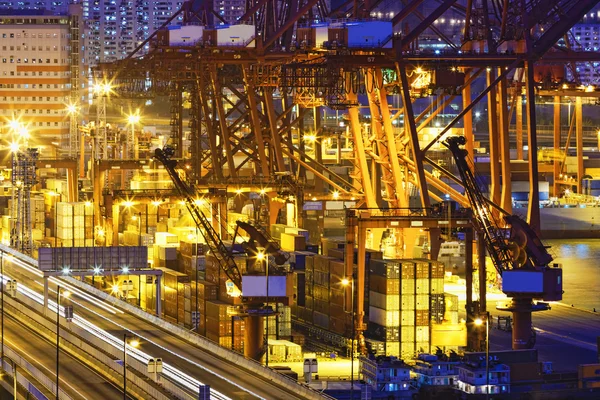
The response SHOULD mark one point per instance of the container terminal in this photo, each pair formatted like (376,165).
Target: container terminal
(316,201)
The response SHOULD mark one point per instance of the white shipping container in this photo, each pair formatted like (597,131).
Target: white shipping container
(407,317)
(422,302)
(165,238)
(423,286)
(236,35)
(408,302)
(407,334)
(408,286)
(383,301)
(185,35)
(384,317)
(422,333)
(321,34)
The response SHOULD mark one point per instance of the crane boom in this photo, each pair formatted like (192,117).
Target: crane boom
(216,246)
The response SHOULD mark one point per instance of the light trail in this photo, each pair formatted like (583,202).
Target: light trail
(179,377)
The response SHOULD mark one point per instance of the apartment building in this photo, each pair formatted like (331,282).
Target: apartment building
(36,78)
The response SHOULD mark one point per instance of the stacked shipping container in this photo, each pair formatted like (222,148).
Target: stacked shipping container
(401,296)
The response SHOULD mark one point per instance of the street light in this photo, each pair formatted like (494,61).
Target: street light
(479,322)
(65,294)
(261,257)
(345,283)
(133,343)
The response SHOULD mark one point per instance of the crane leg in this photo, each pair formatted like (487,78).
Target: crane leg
(254,346)
(521,329)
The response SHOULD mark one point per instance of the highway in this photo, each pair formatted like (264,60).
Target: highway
(76,379)
(223,376)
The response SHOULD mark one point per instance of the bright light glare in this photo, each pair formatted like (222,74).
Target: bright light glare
(71,109)
(115,288)
(128,203)
(336,195)
(345,282)
(88,203)
(14,147)
(125,269)
(66,271)
(97,270)
(66,294)
(310,138)
(134,343)
(133,119)
(260,256)
(478,322)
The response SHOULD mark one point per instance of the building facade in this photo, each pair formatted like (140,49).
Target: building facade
(36,75)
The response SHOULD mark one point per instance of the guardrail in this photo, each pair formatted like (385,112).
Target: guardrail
(197,340)
(35,373)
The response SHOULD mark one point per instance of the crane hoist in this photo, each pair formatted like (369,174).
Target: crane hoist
(262,282)
(518,254)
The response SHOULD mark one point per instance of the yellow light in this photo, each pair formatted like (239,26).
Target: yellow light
(14,124)
(88,203)
(239,191)
(345,282)
(590,88)
(200,202)
(314,199)
(134,343)
(310,138)
(66,294)
(565,86)
(156,203)
(478,322)
(134,217)
(24,132)
(133,119)
(182,202)
(263,191)
(336,194)
(14,147)
(260,256)
(71,109)
(128,203)
(419,70)
(101,232)
(115,288)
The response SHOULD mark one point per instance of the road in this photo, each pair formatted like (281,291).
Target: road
(565,335)
(76,379)
(222,375)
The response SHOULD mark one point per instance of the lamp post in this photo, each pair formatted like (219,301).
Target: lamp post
(66,294)
(134,343)
(480,322)
(346,282)
(262,258)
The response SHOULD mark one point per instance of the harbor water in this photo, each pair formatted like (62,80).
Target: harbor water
(580,259)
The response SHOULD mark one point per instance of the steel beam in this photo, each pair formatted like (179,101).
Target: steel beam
(218,103)
(579,141)
(533,208)
(557,137)
(506,192)
(272,118)
(409,122)
(357,137)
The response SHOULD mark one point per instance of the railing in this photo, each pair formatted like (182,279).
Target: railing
(430,213)
(35,373)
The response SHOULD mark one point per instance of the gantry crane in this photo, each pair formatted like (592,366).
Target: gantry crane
(249,285)
(516,251)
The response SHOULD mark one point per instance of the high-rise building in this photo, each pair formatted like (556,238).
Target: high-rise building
(38,78)
(585,36)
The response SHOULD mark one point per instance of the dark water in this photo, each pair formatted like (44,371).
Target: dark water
(580,259)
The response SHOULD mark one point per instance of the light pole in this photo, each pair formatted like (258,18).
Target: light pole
(66,294)
(134,343)
(480,322)
(346,282)
(261,257)
(132,120)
